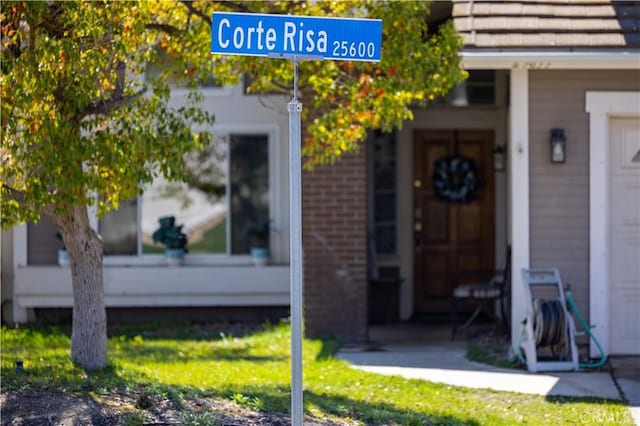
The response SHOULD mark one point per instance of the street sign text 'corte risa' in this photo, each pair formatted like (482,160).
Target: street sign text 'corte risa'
(327,38)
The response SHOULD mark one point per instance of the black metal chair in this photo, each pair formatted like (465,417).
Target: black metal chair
(483,294)
(384,289)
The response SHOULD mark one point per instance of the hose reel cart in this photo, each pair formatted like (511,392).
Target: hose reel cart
(548,332)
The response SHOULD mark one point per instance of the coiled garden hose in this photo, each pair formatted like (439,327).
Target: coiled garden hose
(549,323)
(549,327)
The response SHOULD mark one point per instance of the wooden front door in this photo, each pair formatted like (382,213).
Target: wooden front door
(450,236)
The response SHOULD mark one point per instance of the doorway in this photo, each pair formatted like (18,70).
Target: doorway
(450,236)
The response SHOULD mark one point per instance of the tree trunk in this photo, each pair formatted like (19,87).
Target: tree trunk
(89,332)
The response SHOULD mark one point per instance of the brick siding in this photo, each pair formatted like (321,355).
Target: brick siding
(334,201)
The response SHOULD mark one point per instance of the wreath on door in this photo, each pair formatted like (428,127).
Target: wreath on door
(455,178)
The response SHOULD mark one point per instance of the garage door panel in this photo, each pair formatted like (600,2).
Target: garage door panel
(630,150)
(625,331)
(626,196)
(624,236)
(624,273)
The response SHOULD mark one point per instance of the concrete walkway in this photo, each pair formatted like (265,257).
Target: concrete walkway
(447,364)
(400,352)
(626,370)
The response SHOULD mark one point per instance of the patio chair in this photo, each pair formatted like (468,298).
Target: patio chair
(483,294)
(384,289)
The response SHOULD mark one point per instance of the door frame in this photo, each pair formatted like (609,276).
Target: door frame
(496,118)
(488,174)
(601,107)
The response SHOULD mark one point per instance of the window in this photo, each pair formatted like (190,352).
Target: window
(384,192)
(478,89)
(227,194)
(119,230)
(249,188)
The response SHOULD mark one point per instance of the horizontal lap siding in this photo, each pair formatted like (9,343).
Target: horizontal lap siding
(560,192)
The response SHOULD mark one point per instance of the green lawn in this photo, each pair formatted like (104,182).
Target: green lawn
(214,240)
(185,362)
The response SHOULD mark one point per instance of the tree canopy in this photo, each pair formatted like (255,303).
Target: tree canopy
(83,123)
(79,121)
(343,100)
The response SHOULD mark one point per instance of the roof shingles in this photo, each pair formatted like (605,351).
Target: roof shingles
(589,24)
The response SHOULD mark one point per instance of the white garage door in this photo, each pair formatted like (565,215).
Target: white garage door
(624,232)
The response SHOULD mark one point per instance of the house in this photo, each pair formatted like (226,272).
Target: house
(537,68)
(534,66)
(218,271)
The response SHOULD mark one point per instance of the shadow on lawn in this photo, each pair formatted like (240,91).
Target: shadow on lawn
(158,351)
(186,330)
(277,399)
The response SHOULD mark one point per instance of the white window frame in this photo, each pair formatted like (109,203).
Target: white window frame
(273,137)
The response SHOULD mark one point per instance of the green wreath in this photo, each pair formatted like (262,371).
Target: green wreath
(455,178)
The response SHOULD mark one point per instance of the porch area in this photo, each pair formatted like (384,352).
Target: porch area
(425,351)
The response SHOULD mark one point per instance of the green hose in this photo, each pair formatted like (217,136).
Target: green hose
(583,323)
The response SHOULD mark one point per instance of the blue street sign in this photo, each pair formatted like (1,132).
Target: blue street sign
(256,34)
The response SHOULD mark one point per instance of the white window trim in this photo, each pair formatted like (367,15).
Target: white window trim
(546,60)
(273,134)
(602,106)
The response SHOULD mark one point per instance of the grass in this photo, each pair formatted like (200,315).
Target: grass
(213,240)
(179,363)
(485,355)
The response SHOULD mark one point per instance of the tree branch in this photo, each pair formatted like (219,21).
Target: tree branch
(12,193)
(104,107)
(19,196)
(51,25)
(189,5)
(169,29)
(120,74)
(237,7)
(281,86)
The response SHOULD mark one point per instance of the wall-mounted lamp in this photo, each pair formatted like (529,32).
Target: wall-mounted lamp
(558,146)
(499,158)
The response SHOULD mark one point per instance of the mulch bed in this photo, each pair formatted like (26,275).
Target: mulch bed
(45,409)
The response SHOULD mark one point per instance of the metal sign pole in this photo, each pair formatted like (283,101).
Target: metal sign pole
(295,249)
(340,39)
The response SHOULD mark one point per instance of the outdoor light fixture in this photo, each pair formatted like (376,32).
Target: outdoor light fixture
(499,158)
(557,146)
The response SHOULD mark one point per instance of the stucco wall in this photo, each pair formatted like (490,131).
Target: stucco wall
(559,193)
